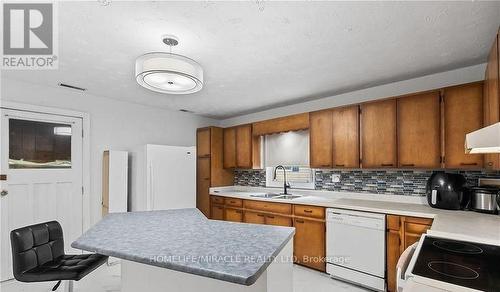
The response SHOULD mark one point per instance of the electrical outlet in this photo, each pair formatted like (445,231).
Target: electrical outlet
(335,178)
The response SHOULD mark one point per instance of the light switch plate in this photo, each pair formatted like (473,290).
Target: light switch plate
(335,178)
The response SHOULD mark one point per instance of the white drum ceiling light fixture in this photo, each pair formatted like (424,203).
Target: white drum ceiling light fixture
(167,72)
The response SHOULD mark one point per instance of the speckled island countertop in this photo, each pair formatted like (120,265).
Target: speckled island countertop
(185,240)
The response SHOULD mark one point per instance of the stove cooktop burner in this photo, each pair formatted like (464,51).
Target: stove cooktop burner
(453,270)
(458,247)
(461,263)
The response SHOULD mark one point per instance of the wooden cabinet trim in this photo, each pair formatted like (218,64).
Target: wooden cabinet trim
(281,124)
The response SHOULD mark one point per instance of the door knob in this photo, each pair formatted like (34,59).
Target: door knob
(4,193)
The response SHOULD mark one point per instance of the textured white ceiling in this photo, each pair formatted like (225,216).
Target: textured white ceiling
(262,54)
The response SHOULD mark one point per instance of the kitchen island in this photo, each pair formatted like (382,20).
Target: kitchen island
(181,250)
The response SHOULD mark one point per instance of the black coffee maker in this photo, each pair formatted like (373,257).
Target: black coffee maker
(447,191)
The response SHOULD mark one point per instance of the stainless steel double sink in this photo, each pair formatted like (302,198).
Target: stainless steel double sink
(275,196)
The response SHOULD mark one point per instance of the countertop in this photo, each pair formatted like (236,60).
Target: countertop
(185,240)
(460,225)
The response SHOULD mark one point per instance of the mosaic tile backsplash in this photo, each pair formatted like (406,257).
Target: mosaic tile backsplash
(398,182)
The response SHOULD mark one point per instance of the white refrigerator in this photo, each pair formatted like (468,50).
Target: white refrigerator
(165,178)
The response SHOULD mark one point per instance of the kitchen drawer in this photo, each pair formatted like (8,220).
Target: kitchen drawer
(233,202)
(233,215)
(416,228)
(393,222)
(254,217)
(278,220)
(309,211)
(268,207)
(217,200)
(417,220)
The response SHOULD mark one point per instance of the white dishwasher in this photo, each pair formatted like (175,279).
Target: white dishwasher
(355,247)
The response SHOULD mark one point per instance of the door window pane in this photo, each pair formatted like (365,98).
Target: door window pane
(34,144)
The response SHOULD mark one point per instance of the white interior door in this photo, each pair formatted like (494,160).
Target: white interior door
(41,156)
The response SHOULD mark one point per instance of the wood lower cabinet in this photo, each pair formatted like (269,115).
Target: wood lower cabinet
(217,212)
(309,223)
(378,134)
(203,185)
(277,220)
(463,113)
(309,245)
(419,131)
(402,232)
(254,217)
(235,215)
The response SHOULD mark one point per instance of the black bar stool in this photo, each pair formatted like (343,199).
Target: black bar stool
(38,256)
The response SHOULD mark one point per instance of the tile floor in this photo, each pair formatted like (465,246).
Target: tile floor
(107,279)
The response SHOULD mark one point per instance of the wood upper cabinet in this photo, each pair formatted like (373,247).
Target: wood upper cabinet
(346,137)
(419,139)
(244,146)
(229,147)
(491,98)
(241,148)
(378,134)
(203,142)
(309,243)
(463,113)
(401,233)
(321,139)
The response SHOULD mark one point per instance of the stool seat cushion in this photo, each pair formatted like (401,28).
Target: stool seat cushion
(38,255)
(67,267)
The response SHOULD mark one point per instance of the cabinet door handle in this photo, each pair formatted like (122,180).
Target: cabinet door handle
(260,215)
(386,164)
(340,165)
(270,217)
(299,221)
(308,211)
(468,164)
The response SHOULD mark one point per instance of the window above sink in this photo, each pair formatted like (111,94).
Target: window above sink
(290,149)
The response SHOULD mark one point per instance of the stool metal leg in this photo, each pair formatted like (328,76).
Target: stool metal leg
(68,286)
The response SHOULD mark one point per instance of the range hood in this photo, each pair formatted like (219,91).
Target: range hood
(484,140)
